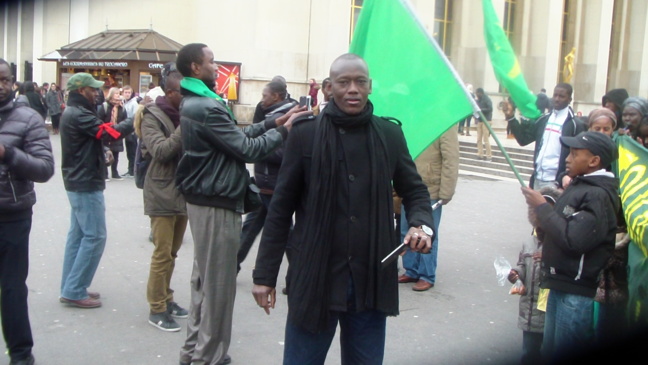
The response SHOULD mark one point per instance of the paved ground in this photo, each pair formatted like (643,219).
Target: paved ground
(465,319)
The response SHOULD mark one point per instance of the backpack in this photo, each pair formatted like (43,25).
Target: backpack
(141,165)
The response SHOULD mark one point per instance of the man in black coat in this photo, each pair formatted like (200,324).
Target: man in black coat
(337,175)
(25,157)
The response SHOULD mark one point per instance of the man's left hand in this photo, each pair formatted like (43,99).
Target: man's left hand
(418,241)
(533,198)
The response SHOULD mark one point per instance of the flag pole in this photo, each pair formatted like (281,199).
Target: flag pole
(499,145)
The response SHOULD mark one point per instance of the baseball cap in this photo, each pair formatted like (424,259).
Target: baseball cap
(597,143)
(82,79)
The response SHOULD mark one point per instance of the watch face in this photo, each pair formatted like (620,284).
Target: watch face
(427,230)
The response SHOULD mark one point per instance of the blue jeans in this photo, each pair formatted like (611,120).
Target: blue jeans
(417,265)
(362,338)
(85,243)
(568,324)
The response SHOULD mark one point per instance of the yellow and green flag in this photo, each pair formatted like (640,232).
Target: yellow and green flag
(412,79)
(633,179)
(505,64)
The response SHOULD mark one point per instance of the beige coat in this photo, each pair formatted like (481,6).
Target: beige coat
(438,165)
(163,145)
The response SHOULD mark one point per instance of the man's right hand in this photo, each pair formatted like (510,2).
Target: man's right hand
(294,116)
(265,297)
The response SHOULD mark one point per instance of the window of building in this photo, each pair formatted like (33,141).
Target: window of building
(615,43)
(509,18)
(567,36)
(442,24)
(356,6)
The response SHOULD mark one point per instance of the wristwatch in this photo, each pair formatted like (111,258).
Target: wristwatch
(427,230)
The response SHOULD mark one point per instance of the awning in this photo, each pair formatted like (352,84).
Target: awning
(129,44)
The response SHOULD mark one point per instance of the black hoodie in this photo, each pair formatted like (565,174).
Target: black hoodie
(579,233)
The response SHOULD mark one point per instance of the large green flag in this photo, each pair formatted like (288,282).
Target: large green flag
(505,64)
(412,79)
(633,179)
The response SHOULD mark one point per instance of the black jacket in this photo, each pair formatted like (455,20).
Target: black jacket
(529,131)
(486,106)
(28,158)
(212,169)
(350,242)
(266,171)
(580,232)
(83,163)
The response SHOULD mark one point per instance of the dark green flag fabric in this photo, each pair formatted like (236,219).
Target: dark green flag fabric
(505,64)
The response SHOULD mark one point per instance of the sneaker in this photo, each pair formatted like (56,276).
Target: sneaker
(164,322)
(226,360)
(107,179)
(117,177)
(176,311)
(26,361)
(128,174)
(82,303)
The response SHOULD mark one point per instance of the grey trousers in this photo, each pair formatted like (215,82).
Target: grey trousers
(216,234)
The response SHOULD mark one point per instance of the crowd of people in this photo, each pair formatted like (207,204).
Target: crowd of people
(334,189)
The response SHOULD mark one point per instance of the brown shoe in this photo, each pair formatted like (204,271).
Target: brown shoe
(94,294)
(83,303)
(422,285)
(406,279)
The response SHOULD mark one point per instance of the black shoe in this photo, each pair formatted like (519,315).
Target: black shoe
(176,311)
(29,360)
(226,360)
(117,177)
(164,322)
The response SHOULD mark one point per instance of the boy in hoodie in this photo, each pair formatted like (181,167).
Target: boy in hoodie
(579,239)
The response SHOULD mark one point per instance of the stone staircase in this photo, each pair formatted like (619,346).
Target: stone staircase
(498,168)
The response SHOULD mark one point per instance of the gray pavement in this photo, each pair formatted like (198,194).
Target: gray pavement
(465,319)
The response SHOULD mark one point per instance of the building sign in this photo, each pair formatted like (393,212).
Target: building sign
(228,80)
(94,64)
(156,65)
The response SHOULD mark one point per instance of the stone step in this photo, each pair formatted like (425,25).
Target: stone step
(509,150)
(497,171)
(497,153)
(497,163)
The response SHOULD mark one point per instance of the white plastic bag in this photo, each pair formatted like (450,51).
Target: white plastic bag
(502,269)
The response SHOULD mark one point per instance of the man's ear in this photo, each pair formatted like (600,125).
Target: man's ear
(595,161)
(195,69)
(370,85)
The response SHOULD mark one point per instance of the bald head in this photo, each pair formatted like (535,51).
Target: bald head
(345,61)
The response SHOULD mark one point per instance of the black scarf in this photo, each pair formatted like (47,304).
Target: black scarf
(310,281)
(169,110)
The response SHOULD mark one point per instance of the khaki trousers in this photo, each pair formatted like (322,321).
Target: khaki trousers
(216,233)
(168,232)
(483,136)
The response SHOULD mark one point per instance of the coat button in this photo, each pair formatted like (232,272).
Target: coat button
(353,219)
(352,177)
(342,131)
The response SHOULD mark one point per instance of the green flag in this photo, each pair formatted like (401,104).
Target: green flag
(505,64)
(412,79)
(633,180)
